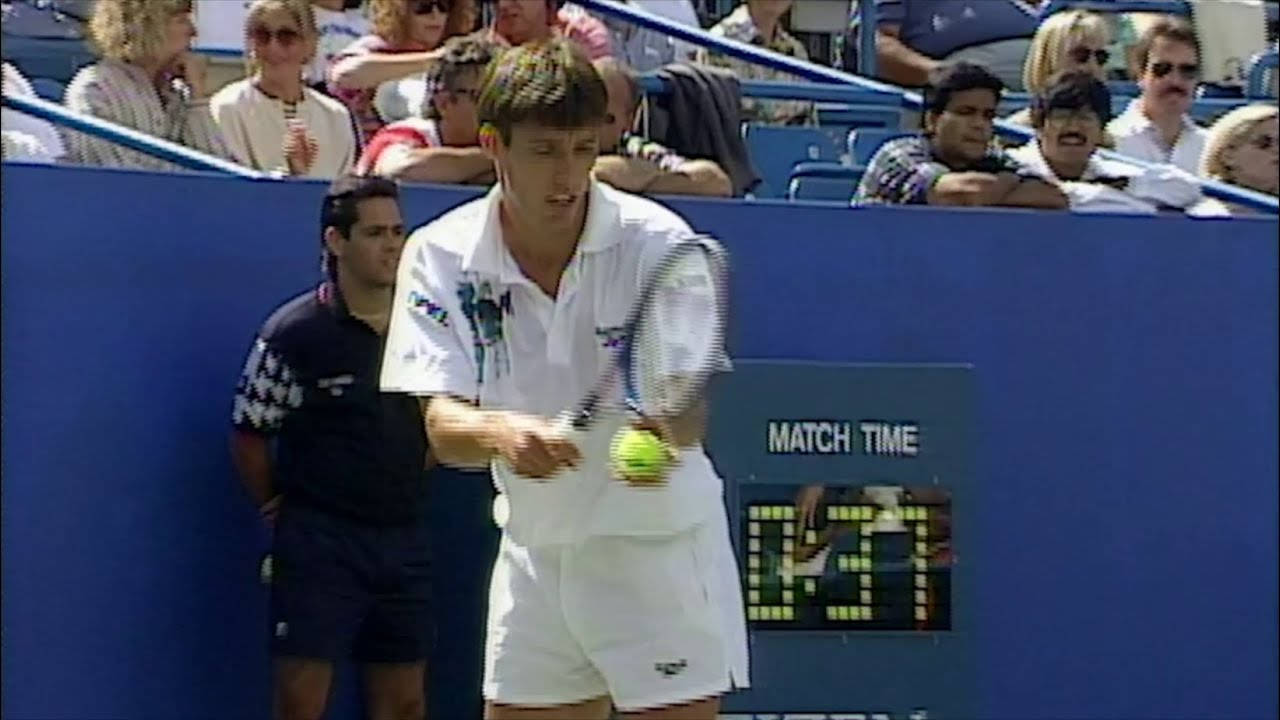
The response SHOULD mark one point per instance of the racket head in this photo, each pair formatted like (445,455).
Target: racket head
(675,335)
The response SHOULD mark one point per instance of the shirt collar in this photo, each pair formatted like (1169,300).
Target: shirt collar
(1135,119)
(488,255)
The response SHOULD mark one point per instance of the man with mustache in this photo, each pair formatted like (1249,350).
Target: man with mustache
(1068,117)
(1155,127)
(954,162)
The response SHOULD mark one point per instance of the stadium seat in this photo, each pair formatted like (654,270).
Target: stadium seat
(776,149)
(823,181)
(48,89)
(863,142)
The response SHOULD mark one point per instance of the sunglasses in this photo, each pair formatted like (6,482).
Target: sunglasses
(285,36)
(426,7)
(1081,55)
(1188,71)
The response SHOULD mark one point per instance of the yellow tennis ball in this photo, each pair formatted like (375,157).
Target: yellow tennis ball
(639,456)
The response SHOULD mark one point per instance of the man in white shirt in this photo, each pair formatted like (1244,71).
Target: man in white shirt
(507,309)
(1155,127)
(1068,117)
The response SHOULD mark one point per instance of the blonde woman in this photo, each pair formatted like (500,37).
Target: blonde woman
(1065,41)
(148,79)
(406,37)
(271,120)
(1243,149)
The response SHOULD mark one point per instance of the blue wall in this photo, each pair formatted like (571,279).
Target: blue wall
(1126,397)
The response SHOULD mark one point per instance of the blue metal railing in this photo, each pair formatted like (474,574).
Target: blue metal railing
(1258,74)
(913,100)
(128,137)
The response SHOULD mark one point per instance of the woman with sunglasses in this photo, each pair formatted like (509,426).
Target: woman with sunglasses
(1066,41)
(406,39)
(1243,149)
(271,120)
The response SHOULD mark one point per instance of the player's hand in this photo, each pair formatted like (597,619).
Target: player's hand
(269,510)
(534,448)
(807,506)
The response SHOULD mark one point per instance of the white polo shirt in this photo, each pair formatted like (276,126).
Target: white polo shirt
(1137,137)
(467,322)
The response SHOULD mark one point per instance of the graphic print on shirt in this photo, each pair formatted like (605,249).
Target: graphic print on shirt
(486,312)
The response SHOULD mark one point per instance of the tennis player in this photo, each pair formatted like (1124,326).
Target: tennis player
(506,311)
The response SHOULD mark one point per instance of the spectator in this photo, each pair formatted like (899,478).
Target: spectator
(759,22)
(443,145)
(1069,117)
(271,120)
(517,22)
(1243,148)
(337,26)
(26,138)
(1155,127)
(643,49)
(1065,41)
(913,37)
(338,471)
(405,41)
(148,80)
(954,161)
(633,163)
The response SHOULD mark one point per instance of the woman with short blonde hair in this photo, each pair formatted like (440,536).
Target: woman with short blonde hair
(148,80)
(1243,148)
(271,119)
(406,40)
(1065,41)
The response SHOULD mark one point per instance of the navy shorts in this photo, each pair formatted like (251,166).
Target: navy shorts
(342,589)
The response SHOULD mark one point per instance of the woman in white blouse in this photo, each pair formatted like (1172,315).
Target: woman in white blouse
(271,120)
(148,80)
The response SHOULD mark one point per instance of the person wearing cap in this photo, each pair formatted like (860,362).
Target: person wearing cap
(1069,117)
(440,143)
(339,470)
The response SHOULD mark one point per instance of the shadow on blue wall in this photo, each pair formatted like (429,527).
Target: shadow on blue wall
(1126,398)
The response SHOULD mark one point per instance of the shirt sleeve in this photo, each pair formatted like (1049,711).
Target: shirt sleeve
(267,392)
(900,173)
(429,347)
(889,12)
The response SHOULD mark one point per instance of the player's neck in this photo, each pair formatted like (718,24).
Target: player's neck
(542,251)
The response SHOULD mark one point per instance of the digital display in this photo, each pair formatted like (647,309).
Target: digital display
(847,558)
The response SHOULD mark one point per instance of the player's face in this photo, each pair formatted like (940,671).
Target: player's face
(371,253)
(1070,136)
(962,132)
(545,172)
(520,21)
(1169,80)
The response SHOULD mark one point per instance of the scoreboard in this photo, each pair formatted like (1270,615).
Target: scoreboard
(849,491)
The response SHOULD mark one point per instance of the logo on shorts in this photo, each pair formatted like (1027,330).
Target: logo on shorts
(671,669)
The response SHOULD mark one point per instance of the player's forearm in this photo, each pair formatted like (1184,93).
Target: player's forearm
(251,455)
(440,165)
(690,426)
(362,72)
(460,434)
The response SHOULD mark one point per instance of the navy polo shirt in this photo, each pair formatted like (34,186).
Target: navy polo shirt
(342,446)
(937,28)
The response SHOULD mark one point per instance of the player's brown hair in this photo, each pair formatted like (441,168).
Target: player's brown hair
(550,83)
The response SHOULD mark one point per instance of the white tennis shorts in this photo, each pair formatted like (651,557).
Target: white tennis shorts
(650,621)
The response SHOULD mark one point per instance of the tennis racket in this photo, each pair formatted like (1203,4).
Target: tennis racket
(673,339)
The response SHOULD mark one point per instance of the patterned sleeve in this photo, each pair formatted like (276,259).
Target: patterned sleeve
(267,391)
(101,92)
(199,129)
(900,173)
